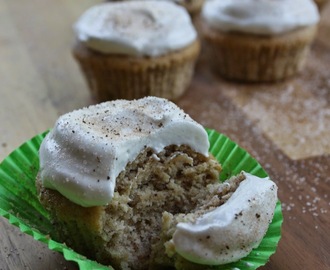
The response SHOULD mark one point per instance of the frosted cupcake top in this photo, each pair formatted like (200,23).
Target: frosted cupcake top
(142,28)
(265,17)
(84,153)
(232,230)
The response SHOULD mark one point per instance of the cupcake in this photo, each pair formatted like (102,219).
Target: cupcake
(131,184)
(258,40)
(135,49)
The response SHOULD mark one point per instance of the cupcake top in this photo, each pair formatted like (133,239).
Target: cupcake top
(232,230)
(84,153)
(141,28)
(264,17)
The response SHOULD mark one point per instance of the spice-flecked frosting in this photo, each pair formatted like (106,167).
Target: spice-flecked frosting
(86,150)
(264,17)
(229,232)
(140,28)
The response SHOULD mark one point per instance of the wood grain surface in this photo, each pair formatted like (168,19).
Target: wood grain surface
(285,126)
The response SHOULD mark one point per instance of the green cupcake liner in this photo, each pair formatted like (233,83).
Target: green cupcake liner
(20,205)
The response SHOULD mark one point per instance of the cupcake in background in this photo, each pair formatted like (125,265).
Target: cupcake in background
(258,40)
(134,49)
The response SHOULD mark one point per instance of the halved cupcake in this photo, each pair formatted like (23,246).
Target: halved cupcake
(131,184)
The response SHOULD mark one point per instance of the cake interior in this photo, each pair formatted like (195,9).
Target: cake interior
(152,194)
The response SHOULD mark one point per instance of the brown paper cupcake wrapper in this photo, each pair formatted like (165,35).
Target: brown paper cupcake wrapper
(127,77)
(256,58)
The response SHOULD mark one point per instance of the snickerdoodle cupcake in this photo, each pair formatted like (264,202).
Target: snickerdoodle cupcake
(131,184)
(259,40)
(135,49)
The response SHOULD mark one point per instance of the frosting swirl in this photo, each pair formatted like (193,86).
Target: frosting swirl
(87,149)
(142,28)
(264,17)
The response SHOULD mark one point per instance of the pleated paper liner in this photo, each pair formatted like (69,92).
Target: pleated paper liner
(19,202)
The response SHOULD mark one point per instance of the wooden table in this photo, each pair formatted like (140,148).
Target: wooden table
(285,126)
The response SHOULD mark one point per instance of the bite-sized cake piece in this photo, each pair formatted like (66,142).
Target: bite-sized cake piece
(131,184)
(259,40)
(230,231)
(224,227)
(133,49)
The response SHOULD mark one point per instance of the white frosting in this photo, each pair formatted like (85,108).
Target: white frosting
(148,28)
(87,149)
(265,17)
(232,230)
